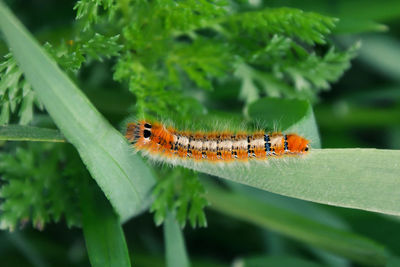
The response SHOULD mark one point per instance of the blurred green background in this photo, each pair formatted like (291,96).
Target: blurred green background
(362,109)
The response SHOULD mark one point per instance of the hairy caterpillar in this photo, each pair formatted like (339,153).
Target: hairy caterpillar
(155,139)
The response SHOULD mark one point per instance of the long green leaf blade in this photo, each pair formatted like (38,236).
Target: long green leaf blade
(123,176)
(105,240)
(339,241)
(356,178)
(29,133)
(174,243)
(365,179)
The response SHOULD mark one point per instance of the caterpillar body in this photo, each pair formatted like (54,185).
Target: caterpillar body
(157,140)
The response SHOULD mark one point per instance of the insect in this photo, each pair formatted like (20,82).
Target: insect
(157,140)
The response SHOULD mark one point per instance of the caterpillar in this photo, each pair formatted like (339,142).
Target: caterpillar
(158,140)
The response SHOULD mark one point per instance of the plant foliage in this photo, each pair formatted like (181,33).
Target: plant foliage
(15,93)
(40,185)
(182,191)
(166,52)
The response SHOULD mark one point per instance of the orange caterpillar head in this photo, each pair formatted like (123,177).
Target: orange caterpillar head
(297,144)
(137,131)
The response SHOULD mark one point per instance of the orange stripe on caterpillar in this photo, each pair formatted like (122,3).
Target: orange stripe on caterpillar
(156,139)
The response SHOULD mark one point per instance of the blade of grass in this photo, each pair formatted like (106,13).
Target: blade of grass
(339,177)
(174,243)
(339,241)
(104,237)
(365,179)
(122,176)
(29,133)
(306,209)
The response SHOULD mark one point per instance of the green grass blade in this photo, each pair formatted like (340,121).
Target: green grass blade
(356,178)
(365,179)
(310,210)
(341,242)
(174,243)
(104,237)
(306,209)
(29,133)
(122,176)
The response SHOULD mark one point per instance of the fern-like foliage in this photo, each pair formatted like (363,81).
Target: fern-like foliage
(72,54)
(285,69)
(308,27)
(181,191)
(88,11)
(16,95)
(39,184)
(175,56)
(161,58)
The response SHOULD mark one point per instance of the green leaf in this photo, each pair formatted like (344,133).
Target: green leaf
(289,70)
(101,46)
(87,11)
(312,211)
(39,183)
(122,176)
(339,241)
(307,26)
(181,193)
(174,243)
(15,92)
(103,232)
(365,179)
(29,133)
(340,177)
